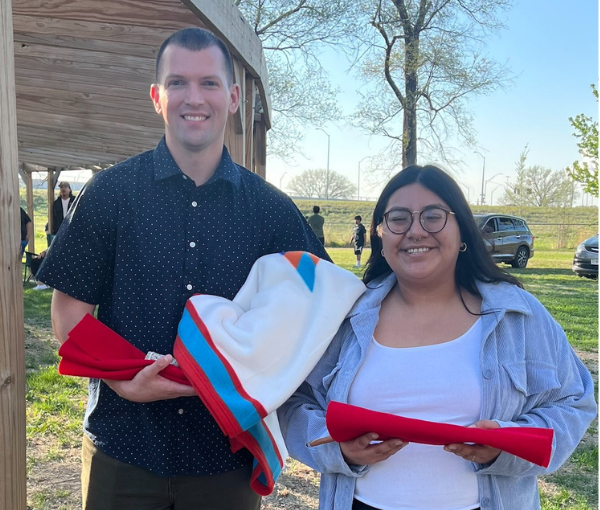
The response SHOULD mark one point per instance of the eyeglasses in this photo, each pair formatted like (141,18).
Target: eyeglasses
(432,219)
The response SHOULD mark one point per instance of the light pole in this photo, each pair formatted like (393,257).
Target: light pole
(327,176)
(489,180)
(358,187)
(492,194)
(482,178)
(281,179)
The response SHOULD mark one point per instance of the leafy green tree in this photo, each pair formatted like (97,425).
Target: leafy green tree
(313,184)
(427,57)
(586,131)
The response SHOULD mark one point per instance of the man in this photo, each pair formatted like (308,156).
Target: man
(358,237)
(61,205)
(26,230)
(316,222)
(142,238)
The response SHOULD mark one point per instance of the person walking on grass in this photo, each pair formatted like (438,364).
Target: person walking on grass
(141,238)
(316,222)
(358,238)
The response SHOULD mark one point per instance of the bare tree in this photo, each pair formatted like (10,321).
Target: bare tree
(539,187)
(428,58)
(313,184)
(293,33)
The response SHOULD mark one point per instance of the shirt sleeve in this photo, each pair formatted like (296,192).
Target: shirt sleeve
(79,260)
(302,417)
(556,392)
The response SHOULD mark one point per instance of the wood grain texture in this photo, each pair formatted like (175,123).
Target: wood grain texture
(12,340)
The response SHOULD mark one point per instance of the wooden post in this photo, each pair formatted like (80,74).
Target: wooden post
(50,194)
(13,494)
(27,169)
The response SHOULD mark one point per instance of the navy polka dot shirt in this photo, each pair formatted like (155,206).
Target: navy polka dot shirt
(140,239)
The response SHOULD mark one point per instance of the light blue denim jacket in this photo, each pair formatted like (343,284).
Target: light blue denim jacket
(530,377)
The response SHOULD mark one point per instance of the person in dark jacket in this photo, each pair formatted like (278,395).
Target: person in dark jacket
(61,205)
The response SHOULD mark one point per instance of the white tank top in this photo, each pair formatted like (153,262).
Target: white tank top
(440,383)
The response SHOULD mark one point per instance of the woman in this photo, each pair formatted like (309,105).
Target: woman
(442,334)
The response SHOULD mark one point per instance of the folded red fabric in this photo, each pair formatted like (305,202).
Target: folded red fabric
(346,422)
(94,350)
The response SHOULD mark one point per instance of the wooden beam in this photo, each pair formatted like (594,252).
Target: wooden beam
(12,339)
(50,194)
(29,198)
(249,122)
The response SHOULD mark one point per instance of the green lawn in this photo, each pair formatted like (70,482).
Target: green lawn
(55,404)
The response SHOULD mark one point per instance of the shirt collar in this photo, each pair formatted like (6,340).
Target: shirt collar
(165,166)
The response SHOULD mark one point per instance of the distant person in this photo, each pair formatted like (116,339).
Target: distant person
(61,205)
(142,238)
(358,238)
(26,230)
(316,222)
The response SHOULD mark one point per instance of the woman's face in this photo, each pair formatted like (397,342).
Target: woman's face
(418,255)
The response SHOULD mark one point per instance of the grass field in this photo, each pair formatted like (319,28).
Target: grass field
(55,404)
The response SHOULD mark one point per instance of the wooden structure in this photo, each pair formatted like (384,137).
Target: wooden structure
(83,71)
(74,93)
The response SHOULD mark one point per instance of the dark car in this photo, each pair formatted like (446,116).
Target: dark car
(507,238)
(585,261)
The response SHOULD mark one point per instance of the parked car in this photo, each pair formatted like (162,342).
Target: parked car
(507,238)
(585,261)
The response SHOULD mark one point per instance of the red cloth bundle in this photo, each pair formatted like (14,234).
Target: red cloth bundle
(94,350)
(346,422)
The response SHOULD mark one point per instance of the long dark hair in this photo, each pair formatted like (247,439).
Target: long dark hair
(472,264)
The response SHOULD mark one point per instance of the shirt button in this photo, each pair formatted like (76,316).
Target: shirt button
(189,286)
(192,244)
(487,374)
(485,501)
(180,411)
(194,204)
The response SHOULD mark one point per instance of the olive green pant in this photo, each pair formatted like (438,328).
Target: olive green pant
(109,484)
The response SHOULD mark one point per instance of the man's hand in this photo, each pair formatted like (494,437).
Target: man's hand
(148,385)
(361,452)
(476,452)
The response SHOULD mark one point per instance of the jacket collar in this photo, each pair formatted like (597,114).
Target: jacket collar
(496,297)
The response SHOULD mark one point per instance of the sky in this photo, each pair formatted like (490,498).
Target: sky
(552,48)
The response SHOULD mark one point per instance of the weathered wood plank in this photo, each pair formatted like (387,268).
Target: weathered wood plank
(156,13)
(87,109)
(12,340)
(249,122)
(99,59)
(135,38)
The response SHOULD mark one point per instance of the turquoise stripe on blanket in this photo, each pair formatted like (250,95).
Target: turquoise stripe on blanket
(198,347)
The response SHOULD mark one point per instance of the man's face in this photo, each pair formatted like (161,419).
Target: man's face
(65,191)
(194,98)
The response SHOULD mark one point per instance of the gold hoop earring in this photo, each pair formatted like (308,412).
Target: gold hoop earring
(463,247)
(382,254)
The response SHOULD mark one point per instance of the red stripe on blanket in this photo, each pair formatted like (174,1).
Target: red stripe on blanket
(232,374)
(203,386)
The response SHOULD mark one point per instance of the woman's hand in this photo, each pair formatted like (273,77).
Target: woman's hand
(148,385)
(361,452)
(476,452)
